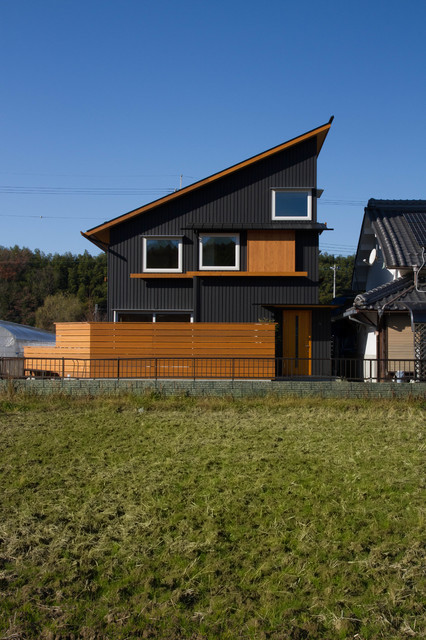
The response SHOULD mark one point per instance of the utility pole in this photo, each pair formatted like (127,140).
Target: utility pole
(334,269)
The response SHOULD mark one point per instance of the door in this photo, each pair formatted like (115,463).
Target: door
(297,342)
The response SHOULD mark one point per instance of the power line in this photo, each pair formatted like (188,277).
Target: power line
(123,191)
(12,215)
(87,191)
(343,203)
(96,175)
(333,244)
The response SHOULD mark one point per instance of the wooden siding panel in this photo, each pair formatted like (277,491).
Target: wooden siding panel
(271,251)
(217,344)
(400,338)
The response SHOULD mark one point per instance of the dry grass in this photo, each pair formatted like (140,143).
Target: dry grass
(183,518)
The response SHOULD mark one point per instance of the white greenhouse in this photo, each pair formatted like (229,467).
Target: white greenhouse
(13,338)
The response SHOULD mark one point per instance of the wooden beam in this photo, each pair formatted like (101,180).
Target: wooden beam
(216,274)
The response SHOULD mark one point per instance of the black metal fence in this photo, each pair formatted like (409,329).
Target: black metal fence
(354,369)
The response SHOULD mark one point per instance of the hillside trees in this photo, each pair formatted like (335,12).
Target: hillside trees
(28,277)
(61,307)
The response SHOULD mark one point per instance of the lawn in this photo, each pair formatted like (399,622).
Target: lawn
(198,518)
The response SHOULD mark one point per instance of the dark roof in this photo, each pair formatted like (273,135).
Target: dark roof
(400,227)
(397,295)
(100,234)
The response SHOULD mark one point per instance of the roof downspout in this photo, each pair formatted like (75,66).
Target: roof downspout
(416,271)
(401,293)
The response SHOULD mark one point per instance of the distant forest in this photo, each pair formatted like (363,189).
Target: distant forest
(39,289)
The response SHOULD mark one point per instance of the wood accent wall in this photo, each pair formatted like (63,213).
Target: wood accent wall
(271,251)
(98,341)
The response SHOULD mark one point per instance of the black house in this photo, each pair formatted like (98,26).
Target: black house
(238,246)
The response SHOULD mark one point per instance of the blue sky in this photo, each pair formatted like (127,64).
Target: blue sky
(104,104)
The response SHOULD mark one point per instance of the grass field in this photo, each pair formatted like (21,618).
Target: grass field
(184,518)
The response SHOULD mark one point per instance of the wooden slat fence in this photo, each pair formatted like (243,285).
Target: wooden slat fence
(188,347)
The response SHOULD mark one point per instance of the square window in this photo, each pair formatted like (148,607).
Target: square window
(291,205)
(162,254)
(172,317)
(132,316)
(220,251)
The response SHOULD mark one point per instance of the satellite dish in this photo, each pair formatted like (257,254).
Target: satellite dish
(372,257)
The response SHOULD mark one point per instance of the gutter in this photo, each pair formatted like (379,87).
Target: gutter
(364,320)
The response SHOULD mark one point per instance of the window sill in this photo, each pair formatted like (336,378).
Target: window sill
(216,274)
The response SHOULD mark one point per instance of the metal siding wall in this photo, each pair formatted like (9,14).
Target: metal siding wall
(242,197)
(241,301)
(126,293)
(321,333)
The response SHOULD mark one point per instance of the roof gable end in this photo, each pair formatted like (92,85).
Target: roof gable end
(99,235)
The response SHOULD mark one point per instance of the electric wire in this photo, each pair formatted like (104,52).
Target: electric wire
(122,191)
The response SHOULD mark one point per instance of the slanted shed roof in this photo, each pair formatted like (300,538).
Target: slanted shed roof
(400,227)
(100,235)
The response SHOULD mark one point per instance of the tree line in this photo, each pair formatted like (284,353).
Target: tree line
(344,268)
(39,289)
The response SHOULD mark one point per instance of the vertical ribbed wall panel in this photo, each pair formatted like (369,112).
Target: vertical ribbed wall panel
(241,197)
(321,333)
(244,299)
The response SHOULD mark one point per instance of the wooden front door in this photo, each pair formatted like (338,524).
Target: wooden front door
(297,342)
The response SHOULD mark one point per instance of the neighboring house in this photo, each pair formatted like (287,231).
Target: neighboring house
(390,276)
(238,246)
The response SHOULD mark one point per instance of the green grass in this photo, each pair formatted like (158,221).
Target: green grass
(183,518)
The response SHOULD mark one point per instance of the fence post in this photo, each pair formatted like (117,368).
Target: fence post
(63,368)
(118,368)
(155,368)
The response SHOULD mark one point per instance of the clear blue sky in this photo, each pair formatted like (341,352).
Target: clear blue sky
(105,103)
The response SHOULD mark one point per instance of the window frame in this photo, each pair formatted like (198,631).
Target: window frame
(236,267)
(152,313)
(147,269)
(308,193)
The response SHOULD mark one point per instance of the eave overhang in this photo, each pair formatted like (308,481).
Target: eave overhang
(100,235)
(294,225)
(273,305)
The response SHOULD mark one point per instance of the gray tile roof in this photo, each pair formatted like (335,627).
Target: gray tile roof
(400,226)
(397,295)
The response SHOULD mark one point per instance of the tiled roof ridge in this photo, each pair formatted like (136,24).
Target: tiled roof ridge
(396,203)
(377,293)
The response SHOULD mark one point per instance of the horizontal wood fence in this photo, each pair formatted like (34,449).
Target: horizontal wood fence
(147,349)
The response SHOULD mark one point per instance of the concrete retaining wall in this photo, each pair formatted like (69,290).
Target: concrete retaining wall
(236,388)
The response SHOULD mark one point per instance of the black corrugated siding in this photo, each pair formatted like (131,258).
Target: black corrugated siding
(244,196)
(321,335)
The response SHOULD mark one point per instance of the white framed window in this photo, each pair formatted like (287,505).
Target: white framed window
(291,204)
(153,316)
(219,251)
(162,254)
